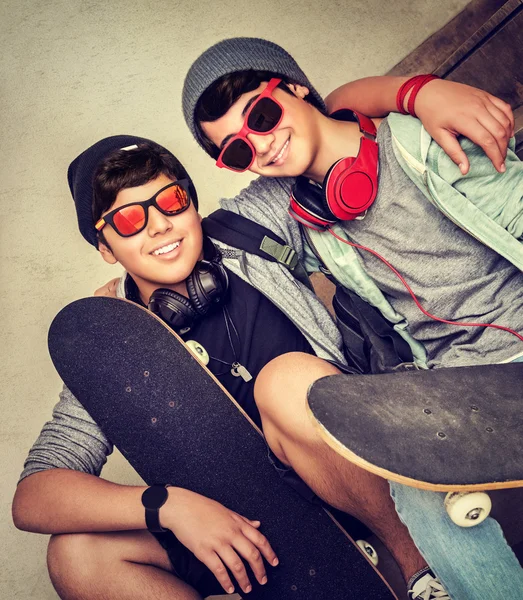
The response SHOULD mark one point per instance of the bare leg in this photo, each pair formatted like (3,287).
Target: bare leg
(124,565)
(280,392)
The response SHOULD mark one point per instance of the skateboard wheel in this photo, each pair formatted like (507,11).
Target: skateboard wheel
(198,350)
(369,551)
(468,509)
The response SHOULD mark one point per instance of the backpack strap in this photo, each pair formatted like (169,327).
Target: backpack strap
(242,233)
(370,340)
(371,343)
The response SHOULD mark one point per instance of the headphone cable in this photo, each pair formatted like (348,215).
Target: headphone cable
(458,323)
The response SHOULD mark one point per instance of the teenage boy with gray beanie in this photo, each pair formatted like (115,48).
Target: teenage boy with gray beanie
(107,553)
(220,89)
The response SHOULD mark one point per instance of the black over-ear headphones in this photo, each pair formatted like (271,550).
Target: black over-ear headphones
(207,286)
(349,188)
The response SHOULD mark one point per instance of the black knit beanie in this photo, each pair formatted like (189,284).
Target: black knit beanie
(81,173)
(237,54)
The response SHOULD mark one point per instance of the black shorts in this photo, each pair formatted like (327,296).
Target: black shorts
(193,572)
(188,568)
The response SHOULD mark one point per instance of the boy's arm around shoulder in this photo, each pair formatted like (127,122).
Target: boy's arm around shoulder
(266,201)
(446,109)
(499,196)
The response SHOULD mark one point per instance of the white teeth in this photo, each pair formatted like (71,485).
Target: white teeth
(280,153)
(165,249)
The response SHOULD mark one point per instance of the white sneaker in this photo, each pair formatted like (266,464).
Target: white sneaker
(425,586)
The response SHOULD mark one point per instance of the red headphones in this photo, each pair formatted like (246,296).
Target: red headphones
(349,188)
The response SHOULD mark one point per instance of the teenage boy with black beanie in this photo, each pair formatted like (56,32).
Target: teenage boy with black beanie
(99,546)
(219,91)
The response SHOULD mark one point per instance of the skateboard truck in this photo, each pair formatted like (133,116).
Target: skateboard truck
(406,366)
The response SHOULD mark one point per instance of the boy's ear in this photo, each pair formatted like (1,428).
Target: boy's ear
(106,253)
(298,90)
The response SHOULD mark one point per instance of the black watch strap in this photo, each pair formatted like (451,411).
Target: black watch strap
(153,498)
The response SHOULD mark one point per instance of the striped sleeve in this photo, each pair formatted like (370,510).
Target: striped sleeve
(70,440)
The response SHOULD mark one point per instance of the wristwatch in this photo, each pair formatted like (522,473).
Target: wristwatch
(153,499)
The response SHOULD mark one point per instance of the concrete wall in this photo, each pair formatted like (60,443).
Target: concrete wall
(74,71)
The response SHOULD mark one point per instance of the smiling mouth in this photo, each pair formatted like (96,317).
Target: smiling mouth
(166,249)
(280,153)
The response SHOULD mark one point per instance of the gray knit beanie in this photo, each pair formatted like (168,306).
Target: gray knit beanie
(237,54)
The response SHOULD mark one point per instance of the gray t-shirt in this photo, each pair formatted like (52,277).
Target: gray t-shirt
(454,276)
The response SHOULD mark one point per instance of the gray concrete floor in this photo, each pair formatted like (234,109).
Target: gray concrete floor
(73,71)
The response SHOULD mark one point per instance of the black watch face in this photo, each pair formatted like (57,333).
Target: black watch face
(155,496)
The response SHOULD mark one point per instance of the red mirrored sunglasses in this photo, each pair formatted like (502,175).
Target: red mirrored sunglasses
(132,218)
(263,116)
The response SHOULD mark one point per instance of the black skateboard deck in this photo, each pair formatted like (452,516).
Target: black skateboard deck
(458,429)
(175,423)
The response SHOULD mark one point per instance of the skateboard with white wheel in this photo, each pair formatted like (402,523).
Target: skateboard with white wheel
(456,430)
(175,423)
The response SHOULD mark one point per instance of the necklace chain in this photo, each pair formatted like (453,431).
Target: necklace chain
(237,369)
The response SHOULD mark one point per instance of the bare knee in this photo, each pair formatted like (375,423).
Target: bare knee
(280,392)
(288,377)
(70,548)
(71,559)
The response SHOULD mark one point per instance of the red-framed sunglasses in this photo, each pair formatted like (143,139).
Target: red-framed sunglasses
(132,218)
(263,116)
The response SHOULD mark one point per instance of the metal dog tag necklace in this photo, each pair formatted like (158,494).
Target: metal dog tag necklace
(240,371)
(237,369)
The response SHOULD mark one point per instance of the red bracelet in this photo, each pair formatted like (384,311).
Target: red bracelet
(415,84)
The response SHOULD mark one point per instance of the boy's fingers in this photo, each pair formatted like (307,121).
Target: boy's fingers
(450,145)
(253,556)
(504,122)
(494,123)
(215,564)
(506,109)
(479,132)
(235,565)
(262,543)
(249,522)
(490,138)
